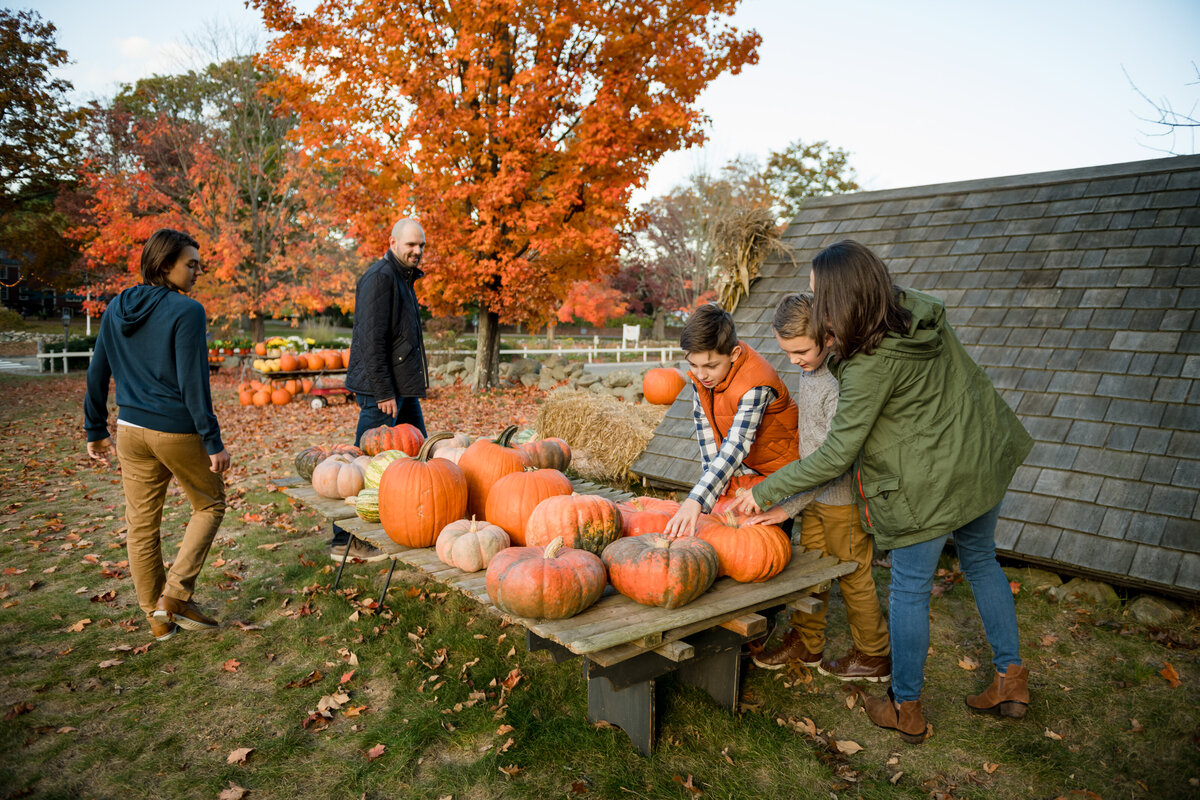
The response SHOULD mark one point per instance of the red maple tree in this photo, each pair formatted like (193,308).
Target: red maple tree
(514,130)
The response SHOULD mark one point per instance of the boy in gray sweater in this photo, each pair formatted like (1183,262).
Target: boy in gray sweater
(829,523)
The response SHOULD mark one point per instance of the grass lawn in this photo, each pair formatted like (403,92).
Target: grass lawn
(305,692)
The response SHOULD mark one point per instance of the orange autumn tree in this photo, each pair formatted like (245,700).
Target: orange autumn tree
(514,130)
(205,152)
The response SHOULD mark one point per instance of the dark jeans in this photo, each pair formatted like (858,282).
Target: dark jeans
(408,409)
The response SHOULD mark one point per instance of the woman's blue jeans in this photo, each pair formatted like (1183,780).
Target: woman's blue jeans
(913,569)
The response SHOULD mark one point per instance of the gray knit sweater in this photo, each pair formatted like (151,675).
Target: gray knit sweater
(817,399)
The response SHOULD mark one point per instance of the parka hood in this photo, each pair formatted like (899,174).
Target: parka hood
(133,307)
(924,337)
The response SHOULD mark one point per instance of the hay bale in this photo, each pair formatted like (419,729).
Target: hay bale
(606,435)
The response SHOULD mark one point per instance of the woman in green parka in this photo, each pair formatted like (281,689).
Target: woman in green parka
(932,447)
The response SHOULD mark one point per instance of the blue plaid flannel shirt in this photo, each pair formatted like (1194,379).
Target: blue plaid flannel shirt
(721,464)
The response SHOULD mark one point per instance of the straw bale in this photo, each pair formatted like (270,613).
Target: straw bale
(606,435)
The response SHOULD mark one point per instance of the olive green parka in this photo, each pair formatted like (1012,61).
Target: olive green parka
(932,444)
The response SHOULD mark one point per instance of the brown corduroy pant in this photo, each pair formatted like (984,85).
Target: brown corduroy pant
(148,460)
(836,531)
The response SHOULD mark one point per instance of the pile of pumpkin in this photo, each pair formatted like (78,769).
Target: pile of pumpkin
(257,393)
(508,508)
(313,361)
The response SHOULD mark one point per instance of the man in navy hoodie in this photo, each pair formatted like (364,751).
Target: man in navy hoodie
(153,342)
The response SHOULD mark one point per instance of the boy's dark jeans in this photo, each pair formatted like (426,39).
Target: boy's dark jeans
(408,409)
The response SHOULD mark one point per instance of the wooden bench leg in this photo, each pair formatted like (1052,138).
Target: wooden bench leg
(631,709)
(719,674)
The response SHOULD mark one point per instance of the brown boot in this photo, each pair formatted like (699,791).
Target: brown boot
(184,613)
(1008,695)
(908,719)
(790,650)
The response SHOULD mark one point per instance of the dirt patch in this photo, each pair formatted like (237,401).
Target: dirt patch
(18,348)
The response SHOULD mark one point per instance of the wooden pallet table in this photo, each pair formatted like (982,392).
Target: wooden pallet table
(626,647)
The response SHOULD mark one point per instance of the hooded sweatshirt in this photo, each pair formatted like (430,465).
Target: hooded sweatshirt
(931,443)
(153,340)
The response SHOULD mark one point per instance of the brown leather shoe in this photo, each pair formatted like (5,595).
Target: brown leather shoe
(183,612)
(162,630)
(856,666)
(1008,695)
(907,718)
(790,651)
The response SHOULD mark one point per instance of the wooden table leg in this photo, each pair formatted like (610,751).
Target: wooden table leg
(719,674)
(631,709)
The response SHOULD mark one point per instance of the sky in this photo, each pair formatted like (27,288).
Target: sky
(918,91)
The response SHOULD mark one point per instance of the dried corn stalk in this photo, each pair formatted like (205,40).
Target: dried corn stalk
(742,240)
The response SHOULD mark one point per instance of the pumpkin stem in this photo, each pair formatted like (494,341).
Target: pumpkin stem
(423,453)
(506,436)
(552,549)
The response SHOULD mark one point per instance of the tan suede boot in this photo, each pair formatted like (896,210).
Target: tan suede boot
(1008,695)
(908,720)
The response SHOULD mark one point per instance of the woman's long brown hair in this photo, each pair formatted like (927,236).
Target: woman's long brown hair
(855,300)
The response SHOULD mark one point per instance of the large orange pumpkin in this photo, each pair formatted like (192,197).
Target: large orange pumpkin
(484,462)
(260,348)
(584,521)
(661,386)
(261,398)
(403,437)
(288,363)
(549,453)
(748,553)
(513,498)
(281,396)
(419,497)
(553,582)
(333,359)
(656,571)
(245,397)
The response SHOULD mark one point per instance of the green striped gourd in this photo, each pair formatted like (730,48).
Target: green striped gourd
(378,464)
(367,505)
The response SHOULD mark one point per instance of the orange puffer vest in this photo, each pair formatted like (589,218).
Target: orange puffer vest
(776,443)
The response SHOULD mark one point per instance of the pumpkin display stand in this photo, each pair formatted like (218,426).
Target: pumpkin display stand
(626,647)
(327,384)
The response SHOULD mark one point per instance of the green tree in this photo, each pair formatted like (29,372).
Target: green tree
(37,147)
(801,171)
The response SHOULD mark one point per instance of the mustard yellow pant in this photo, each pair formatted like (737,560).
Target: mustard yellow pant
(148,460)
(836,531)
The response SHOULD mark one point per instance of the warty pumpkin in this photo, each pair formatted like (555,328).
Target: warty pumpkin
(583,521)
(514,497)
(418,497)
(656,571)
(470,544)
(553,582)
(403,437)
(548,453)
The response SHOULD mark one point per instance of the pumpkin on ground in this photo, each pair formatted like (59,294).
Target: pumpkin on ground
(748,553)
(661,386)
(337,476)
(548,453)
(418,497)
(281,396)
(656,571)
(403,437)
(514,497)
(366,505)
(553,582)
(470,544)
(583,521)
(486,462)
(377,465)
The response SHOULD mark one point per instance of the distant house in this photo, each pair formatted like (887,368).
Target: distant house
(32,299)
(1078,292)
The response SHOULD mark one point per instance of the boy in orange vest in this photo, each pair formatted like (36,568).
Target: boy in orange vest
(746,421)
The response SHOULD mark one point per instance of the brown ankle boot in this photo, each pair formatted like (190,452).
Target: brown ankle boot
(790,650)
(908,720)
(1008,695)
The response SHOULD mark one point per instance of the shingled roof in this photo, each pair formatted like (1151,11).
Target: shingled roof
(1078,292)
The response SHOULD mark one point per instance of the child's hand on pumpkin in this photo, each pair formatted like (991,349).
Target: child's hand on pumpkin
(773,517)
(745,504)
(684,521)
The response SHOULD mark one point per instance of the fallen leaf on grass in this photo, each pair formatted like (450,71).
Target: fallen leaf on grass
(579,787)
(503,729)
(234,792)
(346,676)
(1049,639)
(105,597)
(270,546)
(504,747)
(895,778)
(513,678)
(231,665)
(1049,734)
(348,657)
(1136,727)
(691,787)
(511,770)
(725,754)
(239,756)
(354,711)
(307,680)
(79,626)
(67,729)
(989,768)
(847,747)
(17,710)
(376,751)
(247,626)
(968,663)
(112,662)
(1171,675)
(1014,586)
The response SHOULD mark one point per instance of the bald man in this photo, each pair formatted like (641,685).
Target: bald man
(387,370)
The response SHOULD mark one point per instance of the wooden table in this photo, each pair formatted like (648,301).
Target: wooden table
(626,646)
